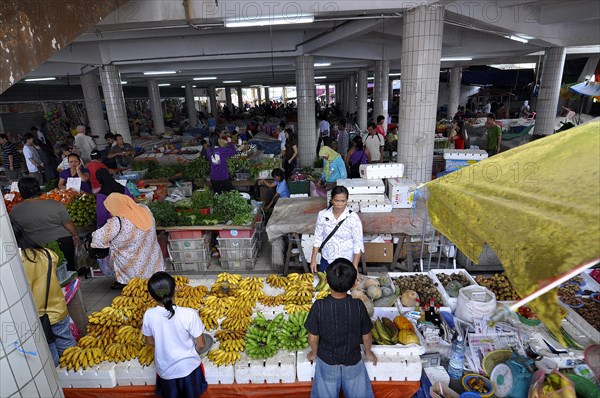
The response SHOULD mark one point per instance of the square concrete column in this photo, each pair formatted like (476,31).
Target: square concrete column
(191,105)
(307,122)
(267,95)
(362,99)
(240,99)
(158,119)
(93,107)
(110,77)
(327,94)
(352,82)
(228,99)
(421,53)
(547,102)
(454,91)
(259,95)
(381,90)
(212,95)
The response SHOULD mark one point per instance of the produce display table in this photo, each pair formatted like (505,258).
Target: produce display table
(299,216)
(382,389)
(236,183)
(218,227)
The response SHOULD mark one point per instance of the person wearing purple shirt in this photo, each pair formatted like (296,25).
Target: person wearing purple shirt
(75,170)
(219,173)
(108,185)
(356,156)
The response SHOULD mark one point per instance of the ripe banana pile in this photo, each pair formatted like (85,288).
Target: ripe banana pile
(261,337)
(241,311)
(236,324)
(272,301)
(102,331)
(180,281)
(117,352)
(188,302)
(223,358)
(110,316)
(209,318)
(89,341)
(277,281)
(306,277)
(146,356)
(219,304)
(137,287)
(232,279)
(80,358)
(293,335)
(127,334)
(224,335)
(299,294)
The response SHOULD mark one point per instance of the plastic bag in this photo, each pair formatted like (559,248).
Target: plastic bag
(82,259)
(554,385)
(316,191)
(104,264)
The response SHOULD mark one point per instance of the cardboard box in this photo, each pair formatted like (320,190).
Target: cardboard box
(401,192)
(379,252)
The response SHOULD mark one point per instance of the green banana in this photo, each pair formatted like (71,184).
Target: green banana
(322,281)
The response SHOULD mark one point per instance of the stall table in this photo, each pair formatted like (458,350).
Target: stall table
(381,389)
(299,216)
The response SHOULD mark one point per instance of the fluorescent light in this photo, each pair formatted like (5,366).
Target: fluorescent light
(530,65)
(39,79)
(370,78)
(394,74)
(456,59)
(322,64)
(231,81)
(123,82)
(164,84)
(269,21)
(320,77)
(164,72)
(205,78)
(182,86)
(517,38)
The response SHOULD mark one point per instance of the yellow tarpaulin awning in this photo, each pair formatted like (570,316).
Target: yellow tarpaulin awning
(537,206)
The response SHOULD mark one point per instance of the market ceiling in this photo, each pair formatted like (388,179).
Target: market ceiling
(190,38)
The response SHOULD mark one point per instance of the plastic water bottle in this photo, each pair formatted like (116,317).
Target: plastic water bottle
(457,359)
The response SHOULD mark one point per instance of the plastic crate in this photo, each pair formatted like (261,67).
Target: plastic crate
(190,256)
(237,242)
(238,253)
(191,234)
(299,187)
(235,233)
(189,244)
(239,260)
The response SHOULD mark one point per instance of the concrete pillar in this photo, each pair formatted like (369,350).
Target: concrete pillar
(228,99)
(391,92)
(362,99)
(2,126)
(454,91)
(381,91)
(212,95)
(110,77)
(158,119)
(421,52)
(327,94)
(336,93)
(93,107)
(352,80)
(547,103)
(587,73)
(307,126)
(240,99)
(191,105)
(267,95)
(259,95)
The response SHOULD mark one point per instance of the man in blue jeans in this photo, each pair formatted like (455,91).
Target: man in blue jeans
(336,326)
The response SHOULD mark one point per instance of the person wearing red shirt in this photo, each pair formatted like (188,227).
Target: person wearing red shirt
(93,166)
(379,128)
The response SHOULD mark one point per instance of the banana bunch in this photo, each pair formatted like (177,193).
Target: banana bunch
(236,323)
(192,292)
(293,336)
(209,318)
(232,279)
(137,288)
(306,277)
(261,344)
(129,302)
(80,358)
(108,332)
(240,311)
(385,332)
(88,341)
(117,352)
(220,357)
(224,335)
(251,295)
(110,316)
(251,283)
(299,293)
(233,345)
(294,308)
(323,293)
(128,334)
(219,304)
(277,281)
(146,355)
(322,285)
(272,301)
(189,302)
(181,280)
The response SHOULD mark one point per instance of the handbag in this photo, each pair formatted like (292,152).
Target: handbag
(98,252)
(45,319)
(355,168)
(333,231)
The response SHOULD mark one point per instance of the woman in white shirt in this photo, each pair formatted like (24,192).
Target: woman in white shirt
(347,240)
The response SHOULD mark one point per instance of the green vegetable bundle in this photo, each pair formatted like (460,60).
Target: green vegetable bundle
(164,213)
(196,170)
(56,249)
(202,199)
(230,206)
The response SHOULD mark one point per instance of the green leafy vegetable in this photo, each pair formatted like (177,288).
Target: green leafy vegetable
(197,170)
(56,249)
(164,213)
(202,199)
(230,206)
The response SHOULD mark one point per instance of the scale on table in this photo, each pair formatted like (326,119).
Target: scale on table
(512,378)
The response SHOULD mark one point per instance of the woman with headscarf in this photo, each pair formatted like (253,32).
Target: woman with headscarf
(108,185)
(131,236)
(333,165)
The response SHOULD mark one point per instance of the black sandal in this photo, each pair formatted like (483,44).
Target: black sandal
(117,286)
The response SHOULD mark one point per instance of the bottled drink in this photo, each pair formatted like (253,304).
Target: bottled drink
(426,315)
(437,320)
(431,309)
(457,358)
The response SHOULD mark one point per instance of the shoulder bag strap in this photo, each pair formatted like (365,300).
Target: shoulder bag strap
(338,225)
(48,279)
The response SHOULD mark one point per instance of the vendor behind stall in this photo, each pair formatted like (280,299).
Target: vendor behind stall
(333,165)
(280,185)
(73,172)
(217,157)
(122,152)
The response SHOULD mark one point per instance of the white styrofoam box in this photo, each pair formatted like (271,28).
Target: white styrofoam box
(218,374)
(395,367)
(385,237)
(354,206)
(465,154)
(376,207)
(132,373)
(582,324)
(359,186)
(281,368)
(376,197)
(401,192)
(381,170)
(307,247)
(305,369)
(437,374)
(299,195)
(448,301)
(590,283)
(98,376)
